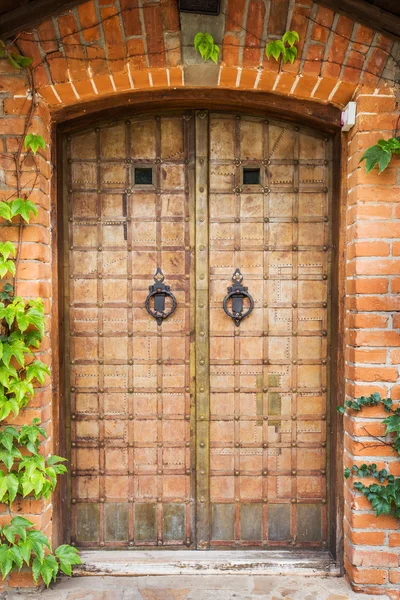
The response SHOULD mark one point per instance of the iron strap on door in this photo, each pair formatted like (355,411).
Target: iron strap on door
(202,334)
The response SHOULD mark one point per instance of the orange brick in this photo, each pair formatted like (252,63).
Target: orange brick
(88,19)
(22,579)
(368,286)
(378,230)
(363,355)
(368,249)
(372,428)
(228,76)
(230,50)
(247,79)
(394,576)
(394,540)
(382,303)
(363,321)
(374,448)
(373,374)
(377,338)
(305,86)
(254,31)
(324,89)
(367,538)
(370,521)
(374,558)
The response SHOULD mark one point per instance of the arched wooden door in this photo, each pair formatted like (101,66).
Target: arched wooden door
(197,431)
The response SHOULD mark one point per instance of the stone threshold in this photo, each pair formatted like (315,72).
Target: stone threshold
(140,563)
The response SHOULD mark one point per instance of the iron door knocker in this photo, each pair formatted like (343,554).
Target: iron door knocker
(159,291)
(238,292)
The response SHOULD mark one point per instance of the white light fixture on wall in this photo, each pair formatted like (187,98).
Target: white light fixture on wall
(348,119)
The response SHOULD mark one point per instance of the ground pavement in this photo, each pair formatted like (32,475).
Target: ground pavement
(198,587)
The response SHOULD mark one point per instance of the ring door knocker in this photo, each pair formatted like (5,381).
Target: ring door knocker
(159,291)
(238,293)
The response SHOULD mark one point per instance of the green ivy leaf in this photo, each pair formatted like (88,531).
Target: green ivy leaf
(18,61)
(12,485)
(290,37)
(214,54)
(290,54)
(34,142)
(21,522)
(16,348)
(8,456)
(7,249)
(5,211)
(68,556)
(7,292)
(7,437)
(7,375)
(49,569)
(54,460)
(26,550)
(37,370)
(36,567)
(21,388)
(204,44)
(16,555)
(33,338)
(24,208)
(6,266)
(6,560)
(380,154)
(275,48)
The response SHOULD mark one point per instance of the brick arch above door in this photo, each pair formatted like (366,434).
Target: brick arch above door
(101,49)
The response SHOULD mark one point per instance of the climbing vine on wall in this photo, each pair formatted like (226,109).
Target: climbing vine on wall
(24,471)
(206,47)
(381,154)
(384,495)
(285,48)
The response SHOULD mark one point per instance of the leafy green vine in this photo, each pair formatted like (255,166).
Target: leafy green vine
(381,154)
(24,470)
(384,495)
(206,47)
(284,49)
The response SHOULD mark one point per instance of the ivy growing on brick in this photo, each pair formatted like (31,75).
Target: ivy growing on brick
(381,154)
(384,495)
(284,49)
(24,470)
(206,47)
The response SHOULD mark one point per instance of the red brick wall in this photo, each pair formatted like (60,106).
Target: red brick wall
(97,51)
(372,545)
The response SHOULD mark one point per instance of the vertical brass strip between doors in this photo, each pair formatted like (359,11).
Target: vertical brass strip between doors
(202,334)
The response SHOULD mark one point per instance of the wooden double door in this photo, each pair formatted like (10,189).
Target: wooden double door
(199,430)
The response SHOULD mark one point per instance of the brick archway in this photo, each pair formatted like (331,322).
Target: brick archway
(79,65)
(100,49)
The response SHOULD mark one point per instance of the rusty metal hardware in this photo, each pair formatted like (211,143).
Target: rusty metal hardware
(159,291)
(237,292)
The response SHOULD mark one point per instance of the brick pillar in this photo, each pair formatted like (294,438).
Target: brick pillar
(372,545)
(34,272)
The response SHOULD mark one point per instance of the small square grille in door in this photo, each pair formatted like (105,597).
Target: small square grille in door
(251,175)
(143,176)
